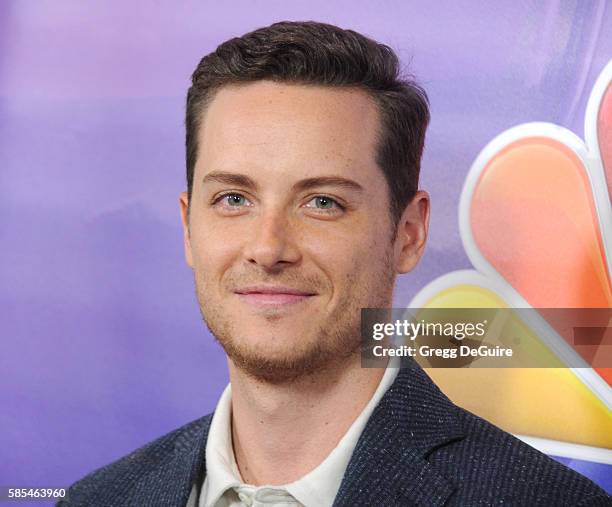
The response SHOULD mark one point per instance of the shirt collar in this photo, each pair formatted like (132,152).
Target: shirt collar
(319,487)
(221,469)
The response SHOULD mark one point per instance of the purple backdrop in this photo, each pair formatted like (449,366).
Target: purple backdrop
(103,347)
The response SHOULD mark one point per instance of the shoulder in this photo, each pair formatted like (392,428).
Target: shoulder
(120,476)
(492,465)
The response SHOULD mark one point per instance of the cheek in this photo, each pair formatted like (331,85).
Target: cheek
(348,259)
(212,248)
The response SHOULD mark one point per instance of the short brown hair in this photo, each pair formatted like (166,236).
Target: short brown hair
(322,54)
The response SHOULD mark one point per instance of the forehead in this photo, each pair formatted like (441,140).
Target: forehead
(289,128)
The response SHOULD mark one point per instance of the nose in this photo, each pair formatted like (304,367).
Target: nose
(272,241)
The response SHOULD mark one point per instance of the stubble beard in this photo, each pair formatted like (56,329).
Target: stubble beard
(331,345)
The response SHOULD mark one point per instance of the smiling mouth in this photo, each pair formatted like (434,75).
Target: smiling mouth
(273,296)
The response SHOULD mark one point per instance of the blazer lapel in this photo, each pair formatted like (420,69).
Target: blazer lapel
(389,464)
(190,451)
(170,480)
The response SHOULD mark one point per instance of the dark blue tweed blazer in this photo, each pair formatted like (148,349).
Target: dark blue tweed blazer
(418,448)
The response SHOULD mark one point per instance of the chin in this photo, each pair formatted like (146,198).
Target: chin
(273,348)
(268,361)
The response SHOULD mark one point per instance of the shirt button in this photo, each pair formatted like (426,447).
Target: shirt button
(246,499)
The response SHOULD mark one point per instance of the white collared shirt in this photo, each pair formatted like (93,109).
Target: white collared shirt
(223,486)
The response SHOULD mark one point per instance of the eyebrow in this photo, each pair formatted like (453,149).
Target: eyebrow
(332,181)
(228,178)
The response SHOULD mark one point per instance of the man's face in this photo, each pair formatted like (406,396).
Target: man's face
(289,233)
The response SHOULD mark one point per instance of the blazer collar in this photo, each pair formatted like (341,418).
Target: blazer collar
(185,467)
(389,465)
(173,468)
(190,452)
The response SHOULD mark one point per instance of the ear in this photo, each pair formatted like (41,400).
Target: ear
(412,231)
(184,204)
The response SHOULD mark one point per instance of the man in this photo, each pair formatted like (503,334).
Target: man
(302,206)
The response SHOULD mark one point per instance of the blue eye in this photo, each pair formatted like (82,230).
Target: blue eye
(324,202)
(234,199)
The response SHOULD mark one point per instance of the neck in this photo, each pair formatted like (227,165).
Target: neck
(282,432)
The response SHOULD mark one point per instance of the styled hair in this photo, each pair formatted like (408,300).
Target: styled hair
(322,54)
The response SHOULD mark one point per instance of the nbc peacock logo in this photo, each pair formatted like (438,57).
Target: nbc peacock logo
(535,220)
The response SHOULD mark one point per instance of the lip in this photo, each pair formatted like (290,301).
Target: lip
(272,295)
